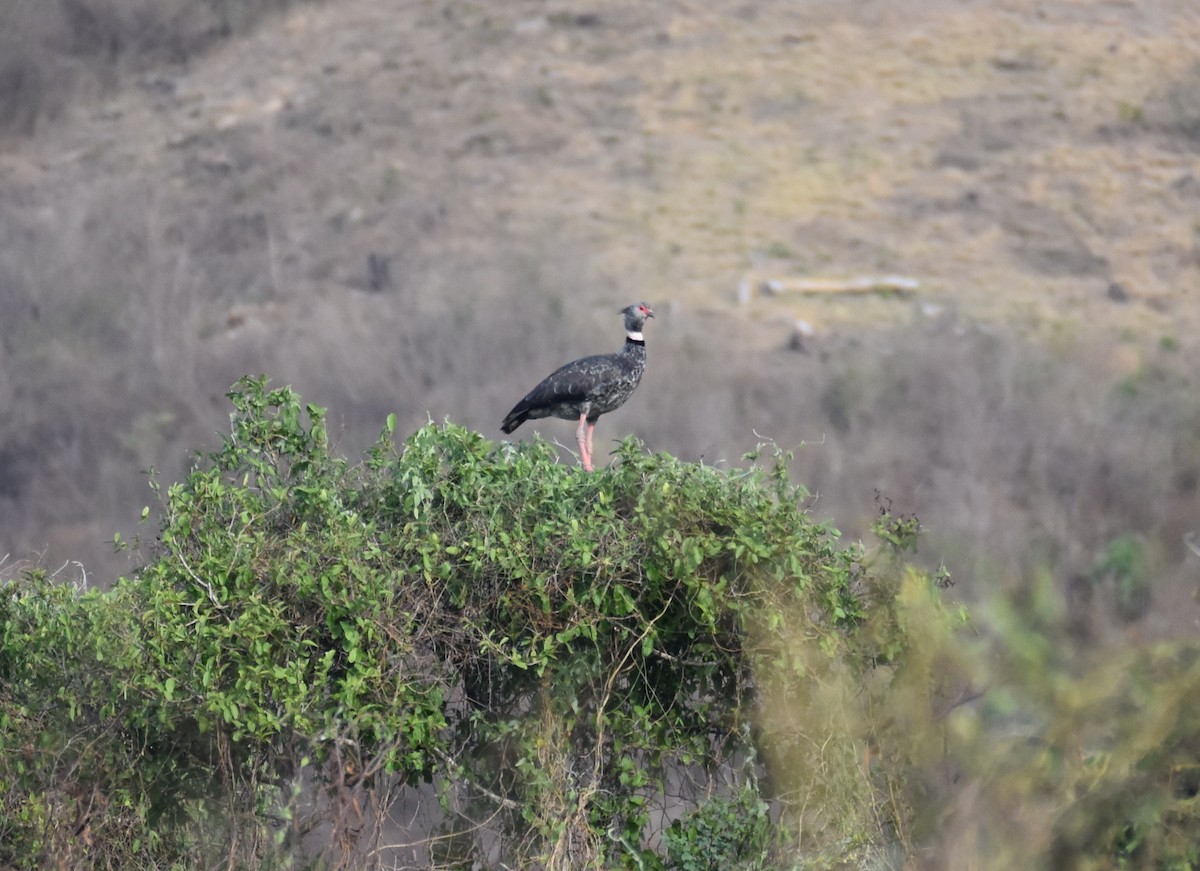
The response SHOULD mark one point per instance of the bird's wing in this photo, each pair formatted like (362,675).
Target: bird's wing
(572,382)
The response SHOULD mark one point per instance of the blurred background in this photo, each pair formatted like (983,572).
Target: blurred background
(423,207)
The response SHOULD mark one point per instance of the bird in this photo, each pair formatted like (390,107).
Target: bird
(588,387)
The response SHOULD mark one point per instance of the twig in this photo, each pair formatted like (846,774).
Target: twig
(212,596)
(82,570)
(497,798)
(662,654)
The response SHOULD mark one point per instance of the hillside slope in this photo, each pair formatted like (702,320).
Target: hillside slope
(420,207)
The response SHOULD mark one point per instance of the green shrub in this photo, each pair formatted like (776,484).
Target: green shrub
(722,833)
(308,637)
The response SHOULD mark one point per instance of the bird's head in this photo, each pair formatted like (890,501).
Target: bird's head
(635,316)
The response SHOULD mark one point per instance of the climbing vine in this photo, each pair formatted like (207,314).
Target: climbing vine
(561,658)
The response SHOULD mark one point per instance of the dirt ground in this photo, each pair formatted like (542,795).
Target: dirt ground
(422,207)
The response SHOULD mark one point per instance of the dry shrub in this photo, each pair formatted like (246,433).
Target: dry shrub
(55,51)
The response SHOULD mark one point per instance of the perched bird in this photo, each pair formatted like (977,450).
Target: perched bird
(590,386)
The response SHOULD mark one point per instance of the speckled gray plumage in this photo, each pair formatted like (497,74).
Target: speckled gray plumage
(590,386)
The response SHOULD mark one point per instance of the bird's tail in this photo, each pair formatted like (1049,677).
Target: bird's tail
(514,419)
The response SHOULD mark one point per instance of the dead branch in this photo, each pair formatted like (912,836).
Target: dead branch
(899,285)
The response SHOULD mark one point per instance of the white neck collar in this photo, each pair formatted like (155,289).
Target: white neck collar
(637,337)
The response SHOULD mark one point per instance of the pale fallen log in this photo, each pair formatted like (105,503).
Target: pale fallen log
(885,284)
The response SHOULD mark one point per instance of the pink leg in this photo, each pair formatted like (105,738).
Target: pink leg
(591,427)
(581,436)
